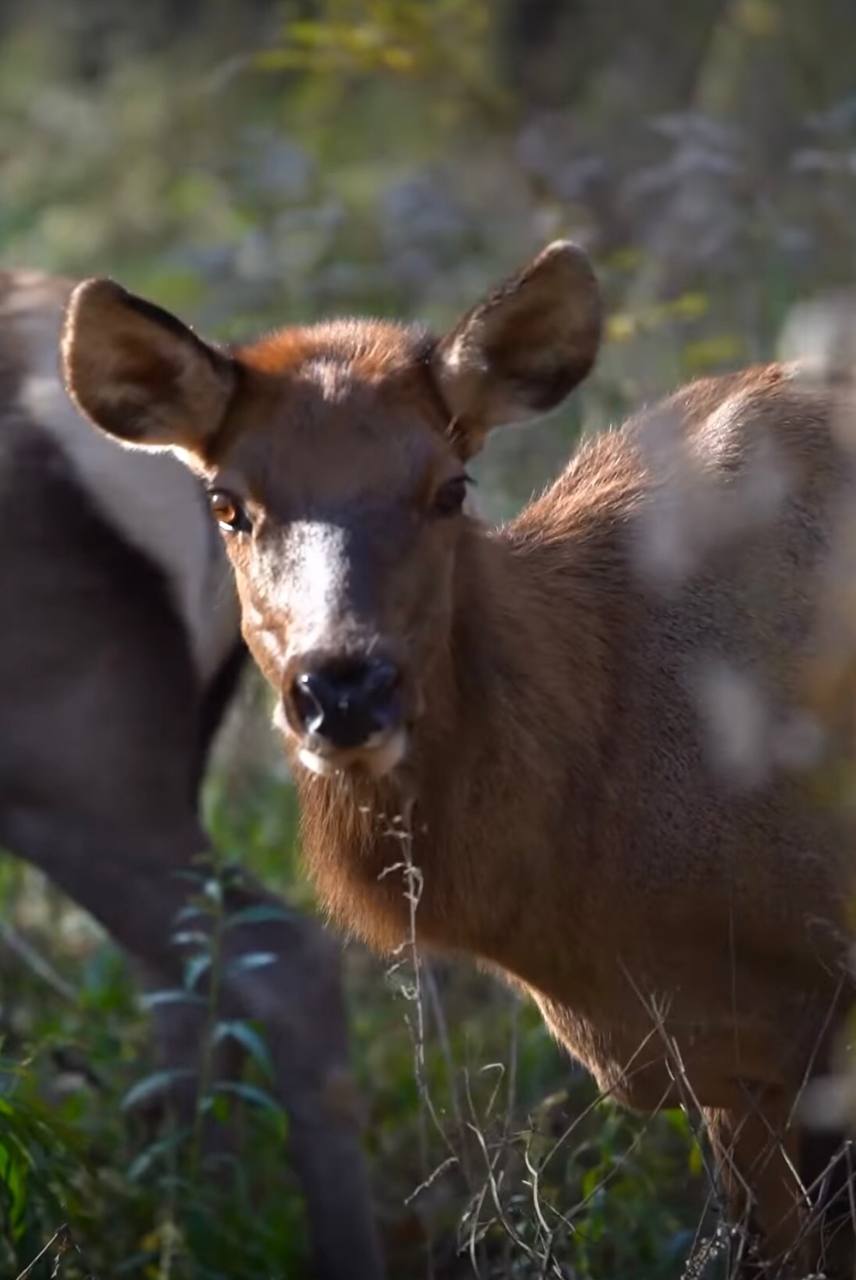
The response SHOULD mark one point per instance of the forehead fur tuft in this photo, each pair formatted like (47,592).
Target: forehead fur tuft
(367,350)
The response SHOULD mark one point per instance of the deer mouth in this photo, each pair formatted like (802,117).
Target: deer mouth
(378,755)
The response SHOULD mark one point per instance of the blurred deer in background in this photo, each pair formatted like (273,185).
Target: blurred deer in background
(601,724)
(119,652)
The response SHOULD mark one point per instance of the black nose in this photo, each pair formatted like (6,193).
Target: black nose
(345,703)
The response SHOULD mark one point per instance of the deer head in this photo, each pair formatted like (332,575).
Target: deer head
(335,458)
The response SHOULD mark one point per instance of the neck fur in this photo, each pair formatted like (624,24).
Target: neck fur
(495,799)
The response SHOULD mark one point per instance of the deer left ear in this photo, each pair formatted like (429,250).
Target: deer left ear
(524,348)
(140,374)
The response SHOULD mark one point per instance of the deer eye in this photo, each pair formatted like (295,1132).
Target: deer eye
(449,498)
(229,511)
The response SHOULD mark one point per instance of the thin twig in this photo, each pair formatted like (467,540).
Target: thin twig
(34,960)
(62,1242)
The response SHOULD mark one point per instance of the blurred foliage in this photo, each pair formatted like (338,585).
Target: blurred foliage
(254,164)
(86,1134)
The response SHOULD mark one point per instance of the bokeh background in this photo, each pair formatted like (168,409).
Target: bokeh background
(255,163)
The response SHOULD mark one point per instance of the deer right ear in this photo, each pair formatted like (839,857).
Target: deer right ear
(522,349)
(140,374)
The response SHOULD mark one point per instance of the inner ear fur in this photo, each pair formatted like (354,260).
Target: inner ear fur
(140,374)
(521,350)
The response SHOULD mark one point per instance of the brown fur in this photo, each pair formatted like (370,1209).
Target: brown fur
(675,901)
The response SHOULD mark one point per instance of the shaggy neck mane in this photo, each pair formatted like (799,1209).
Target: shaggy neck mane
(496,761)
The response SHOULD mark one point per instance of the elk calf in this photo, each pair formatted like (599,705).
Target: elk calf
(606,713)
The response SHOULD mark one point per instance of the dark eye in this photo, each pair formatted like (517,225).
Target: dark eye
(229,511)
(449,498)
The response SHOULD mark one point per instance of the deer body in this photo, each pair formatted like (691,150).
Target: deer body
(574,828)
(604,720)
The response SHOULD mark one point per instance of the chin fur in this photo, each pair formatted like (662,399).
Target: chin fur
(376,759)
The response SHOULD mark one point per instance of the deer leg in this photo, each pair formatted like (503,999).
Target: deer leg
(128,881)
(755,1149)
(299,1000)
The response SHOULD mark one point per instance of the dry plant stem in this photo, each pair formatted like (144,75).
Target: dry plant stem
(451,1072)
(511,1072)
(822,1035)
(402,830)
(691,1105)
(55,1241)
(701,1251)
(622,1158)
(441,1168)
(60,1243)
(511,1090)
(492,1187)
(812,1218)
(535,1176)
(627,1073)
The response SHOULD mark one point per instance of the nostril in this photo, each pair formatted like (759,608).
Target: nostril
(347,702)
(308,698)
(381,677)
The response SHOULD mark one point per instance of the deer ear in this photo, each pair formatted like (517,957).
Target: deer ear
(141,375)
(521,351)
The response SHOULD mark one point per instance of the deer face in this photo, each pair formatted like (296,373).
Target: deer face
(341,505)
(335,461)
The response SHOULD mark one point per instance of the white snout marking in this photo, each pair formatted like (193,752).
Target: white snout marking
(317,574)
(379,755)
